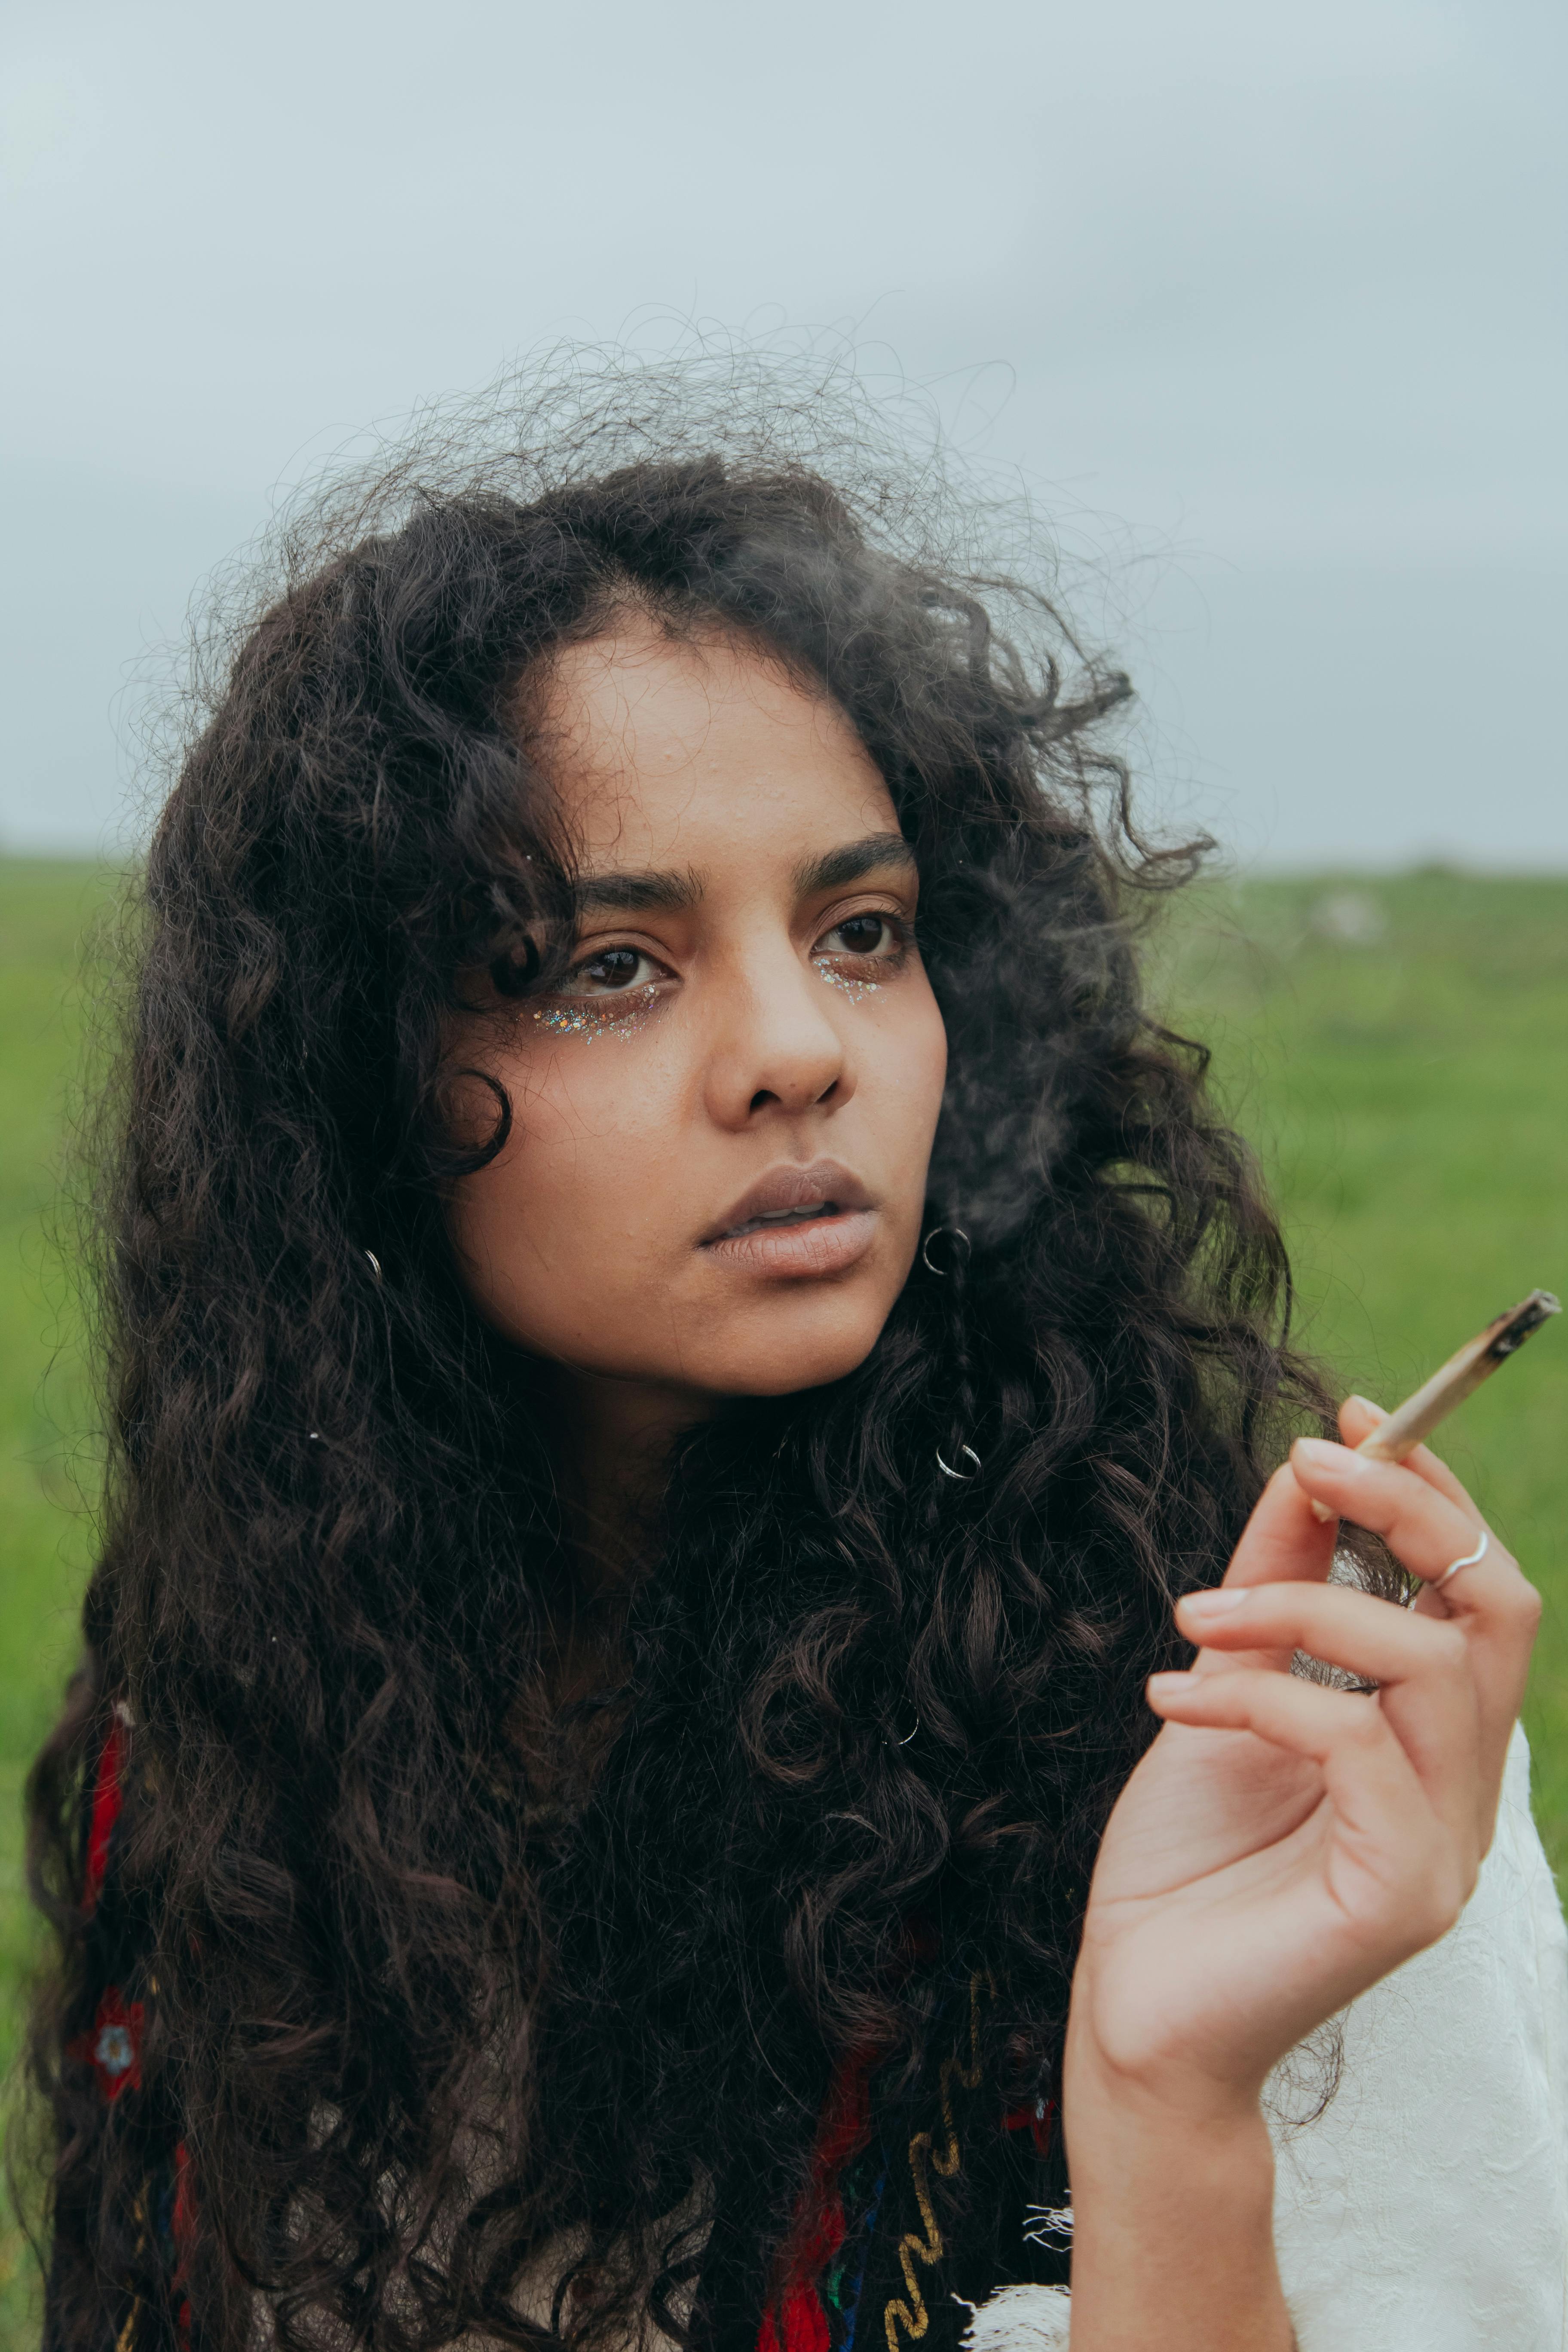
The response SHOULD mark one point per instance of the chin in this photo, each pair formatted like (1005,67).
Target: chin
(777,1364)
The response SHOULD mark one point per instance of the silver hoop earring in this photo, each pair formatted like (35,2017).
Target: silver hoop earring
(963,1477)
(375,1265)
(1470,1560)
(956,1233)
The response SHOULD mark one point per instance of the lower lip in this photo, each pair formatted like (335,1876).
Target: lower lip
(822,1245)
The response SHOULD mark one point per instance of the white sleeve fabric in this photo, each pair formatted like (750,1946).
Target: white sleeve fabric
(1425,2208)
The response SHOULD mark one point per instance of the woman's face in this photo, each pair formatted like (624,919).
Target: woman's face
(717,1169)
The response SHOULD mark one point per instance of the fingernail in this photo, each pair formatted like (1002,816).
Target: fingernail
(1166,1685)
(1367,1405)
(1218,1603)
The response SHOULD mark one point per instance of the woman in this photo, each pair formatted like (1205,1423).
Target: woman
(685,1360)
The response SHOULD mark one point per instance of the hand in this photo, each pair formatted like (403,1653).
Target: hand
(1283,1844)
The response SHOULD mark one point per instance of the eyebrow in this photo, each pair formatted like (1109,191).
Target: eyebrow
(856,858)
(631,894)
(674,893)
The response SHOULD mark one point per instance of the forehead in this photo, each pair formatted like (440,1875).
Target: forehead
(665,752)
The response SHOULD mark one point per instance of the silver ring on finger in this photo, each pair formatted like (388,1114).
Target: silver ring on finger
(1470,1561)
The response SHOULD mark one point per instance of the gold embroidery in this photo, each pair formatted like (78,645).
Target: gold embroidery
(909,2310)
(126,2339)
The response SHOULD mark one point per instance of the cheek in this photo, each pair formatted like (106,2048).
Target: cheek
(911,1073)
(566,1216)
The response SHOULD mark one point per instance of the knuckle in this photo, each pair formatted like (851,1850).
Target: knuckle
(1526,1603)
(1362,1722)
(1517,1605)
(1449,1648)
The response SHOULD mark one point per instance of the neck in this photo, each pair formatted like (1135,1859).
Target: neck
(617,1437)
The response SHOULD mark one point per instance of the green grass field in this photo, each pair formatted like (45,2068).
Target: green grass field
(46,913)
(1398,1052)
(1396,1049)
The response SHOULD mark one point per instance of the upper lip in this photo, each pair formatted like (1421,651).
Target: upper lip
(793,1188)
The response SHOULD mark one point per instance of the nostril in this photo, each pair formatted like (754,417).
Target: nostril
(764,1097)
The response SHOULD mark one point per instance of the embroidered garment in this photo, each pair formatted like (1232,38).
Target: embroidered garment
(911,2218)
(148,2312)
(1424,2210)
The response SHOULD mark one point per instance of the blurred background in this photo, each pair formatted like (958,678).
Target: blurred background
(1266,302)
(1263,307)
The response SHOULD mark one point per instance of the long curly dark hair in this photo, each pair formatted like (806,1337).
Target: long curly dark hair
(413,2011)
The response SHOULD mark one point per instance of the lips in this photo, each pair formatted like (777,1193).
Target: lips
(805,1220)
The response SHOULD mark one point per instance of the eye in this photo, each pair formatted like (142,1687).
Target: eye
(871,936)
(613,969)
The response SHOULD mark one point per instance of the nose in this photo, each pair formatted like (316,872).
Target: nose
(774,1046)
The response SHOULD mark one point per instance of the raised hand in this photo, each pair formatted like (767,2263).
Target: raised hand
(1285,1844)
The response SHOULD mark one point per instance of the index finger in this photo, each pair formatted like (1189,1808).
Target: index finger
(1283,1542)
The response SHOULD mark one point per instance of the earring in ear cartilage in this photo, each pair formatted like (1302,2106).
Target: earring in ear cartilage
(955,1233)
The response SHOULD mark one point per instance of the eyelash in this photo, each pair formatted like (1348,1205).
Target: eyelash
(897,925)
(637,996)
(602,955)
(891,960)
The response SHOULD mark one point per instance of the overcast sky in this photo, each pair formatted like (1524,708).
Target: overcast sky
(1267,301)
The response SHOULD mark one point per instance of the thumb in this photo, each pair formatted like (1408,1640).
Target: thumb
(1358,1418)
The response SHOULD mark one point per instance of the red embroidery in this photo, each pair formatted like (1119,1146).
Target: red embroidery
(1038,2119)
(107,1798)
(182,2227)
(113,2047)
(795,2321)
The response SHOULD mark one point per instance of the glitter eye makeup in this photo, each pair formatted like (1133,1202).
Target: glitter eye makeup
(848,983)
(855,984)
(619,1016)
